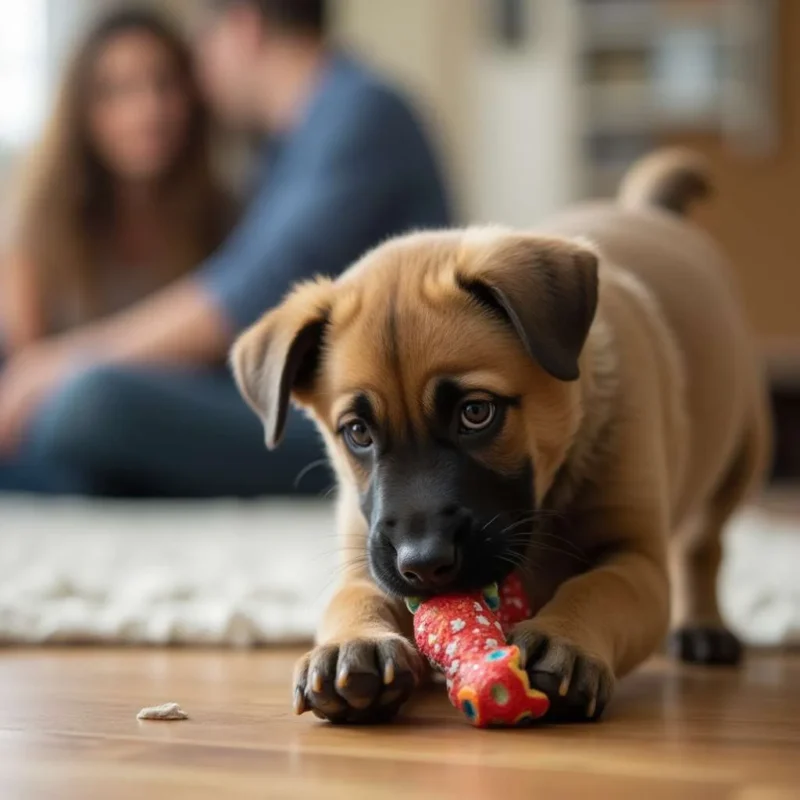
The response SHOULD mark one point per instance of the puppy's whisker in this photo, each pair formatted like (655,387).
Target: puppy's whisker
(535,517)
(528,540)
(563,539)
(335,555)
(549,548)
(489,523)
(308,469)
(341,568)
(518,565)
(532,536)
(517,524)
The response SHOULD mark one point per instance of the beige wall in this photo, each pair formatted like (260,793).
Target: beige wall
(507,117)
(524,120)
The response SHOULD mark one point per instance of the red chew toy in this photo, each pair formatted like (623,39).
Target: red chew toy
(464,637)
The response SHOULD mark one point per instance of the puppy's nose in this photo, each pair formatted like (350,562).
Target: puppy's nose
(428,566)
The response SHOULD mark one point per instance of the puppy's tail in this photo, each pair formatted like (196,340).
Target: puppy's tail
(672,179)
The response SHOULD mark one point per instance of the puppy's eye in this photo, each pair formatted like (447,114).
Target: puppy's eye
(477,415)
(357,434)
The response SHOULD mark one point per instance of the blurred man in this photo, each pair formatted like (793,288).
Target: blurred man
(137,403)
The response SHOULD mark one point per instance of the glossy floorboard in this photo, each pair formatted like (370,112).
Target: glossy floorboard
(68,729)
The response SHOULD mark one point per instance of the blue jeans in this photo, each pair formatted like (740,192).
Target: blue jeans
(144,432)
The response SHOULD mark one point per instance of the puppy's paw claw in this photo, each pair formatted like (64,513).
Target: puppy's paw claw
(358,682)
(577,684)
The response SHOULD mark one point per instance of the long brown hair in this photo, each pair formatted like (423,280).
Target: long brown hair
(66,209)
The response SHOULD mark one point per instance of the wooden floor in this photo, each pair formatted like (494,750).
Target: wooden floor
(68,729)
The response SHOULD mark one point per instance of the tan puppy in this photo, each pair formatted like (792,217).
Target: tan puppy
(581,403)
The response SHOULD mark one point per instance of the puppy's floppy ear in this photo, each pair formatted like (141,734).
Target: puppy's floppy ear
(545,288)
(280,354)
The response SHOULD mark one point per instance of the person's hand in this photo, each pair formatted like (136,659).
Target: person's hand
(25,382)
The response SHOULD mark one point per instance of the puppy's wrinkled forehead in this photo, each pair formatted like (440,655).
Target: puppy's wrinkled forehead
(403,319)
(491,308)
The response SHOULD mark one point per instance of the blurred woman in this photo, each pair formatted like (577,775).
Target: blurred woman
(120,198)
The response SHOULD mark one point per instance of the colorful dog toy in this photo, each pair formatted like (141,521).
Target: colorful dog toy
(464,636)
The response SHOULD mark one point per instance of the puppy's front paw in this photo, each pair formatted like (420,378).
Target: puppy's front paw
(577,684)
(359,681)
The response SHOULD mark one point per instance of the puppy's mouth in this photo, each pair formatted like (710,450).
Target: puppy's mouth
(488,555)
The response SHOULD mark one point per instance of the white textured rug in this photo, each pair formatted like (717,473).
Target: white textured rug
(217,573)
(243,574)
(760,581)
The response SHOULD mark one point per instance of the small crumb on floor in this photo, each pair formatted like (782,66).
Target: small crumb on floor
(166,713)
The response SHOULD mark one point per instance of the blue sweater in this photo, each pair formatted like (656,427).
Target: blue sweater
(358,170)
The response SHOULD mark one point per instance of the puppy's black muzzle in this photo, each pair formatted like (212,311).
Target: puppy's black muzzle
(437,519)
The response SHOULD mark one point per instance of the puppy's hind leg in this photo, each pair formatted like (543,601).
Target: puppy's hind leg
(699,635)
